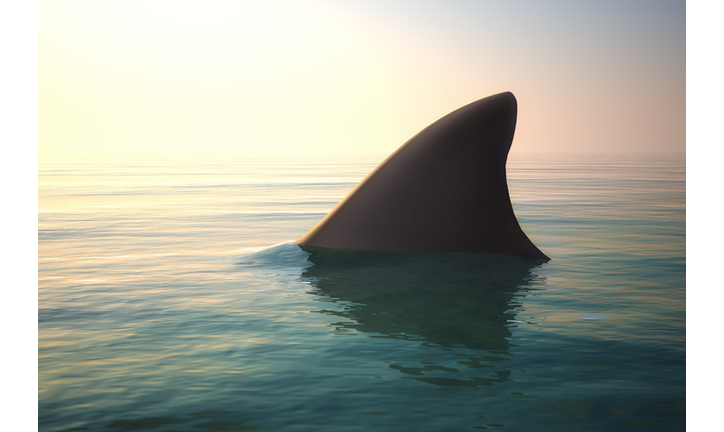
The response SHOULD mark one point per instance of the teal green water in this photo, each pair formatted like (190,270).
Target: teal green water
(170,299)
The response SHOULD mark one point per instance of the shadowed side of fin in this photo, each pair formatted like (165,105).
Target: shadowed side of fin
(444,190)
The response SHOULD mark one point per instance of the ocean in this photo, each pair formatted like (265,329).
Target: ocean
(172,299)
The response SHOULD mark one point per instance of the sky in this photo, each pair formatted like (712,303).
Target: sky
(344,78)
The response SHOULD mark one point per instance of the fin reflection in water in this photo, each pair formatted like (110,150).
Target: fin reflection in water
(450,299)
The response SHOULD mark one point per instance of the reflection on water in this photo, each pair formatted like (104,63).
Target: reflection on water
(442,299)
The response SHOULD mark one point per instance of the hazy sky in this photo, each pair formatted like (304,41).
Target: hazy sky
(236,78)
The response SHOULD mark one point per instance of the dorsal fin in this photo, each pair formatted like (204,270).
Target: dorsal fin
(444,190)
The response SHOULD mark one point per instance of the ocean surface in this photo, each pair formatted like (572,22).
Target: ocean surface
(172,299)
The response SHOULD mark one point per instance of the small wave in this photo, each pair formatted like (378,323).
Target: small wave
(283,255)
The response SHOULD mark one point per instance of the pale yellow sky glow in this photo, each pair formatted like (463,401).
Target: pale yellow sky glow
(241,78)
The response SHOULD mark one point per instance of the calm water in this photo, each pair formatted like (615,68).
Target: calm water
(172,300)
